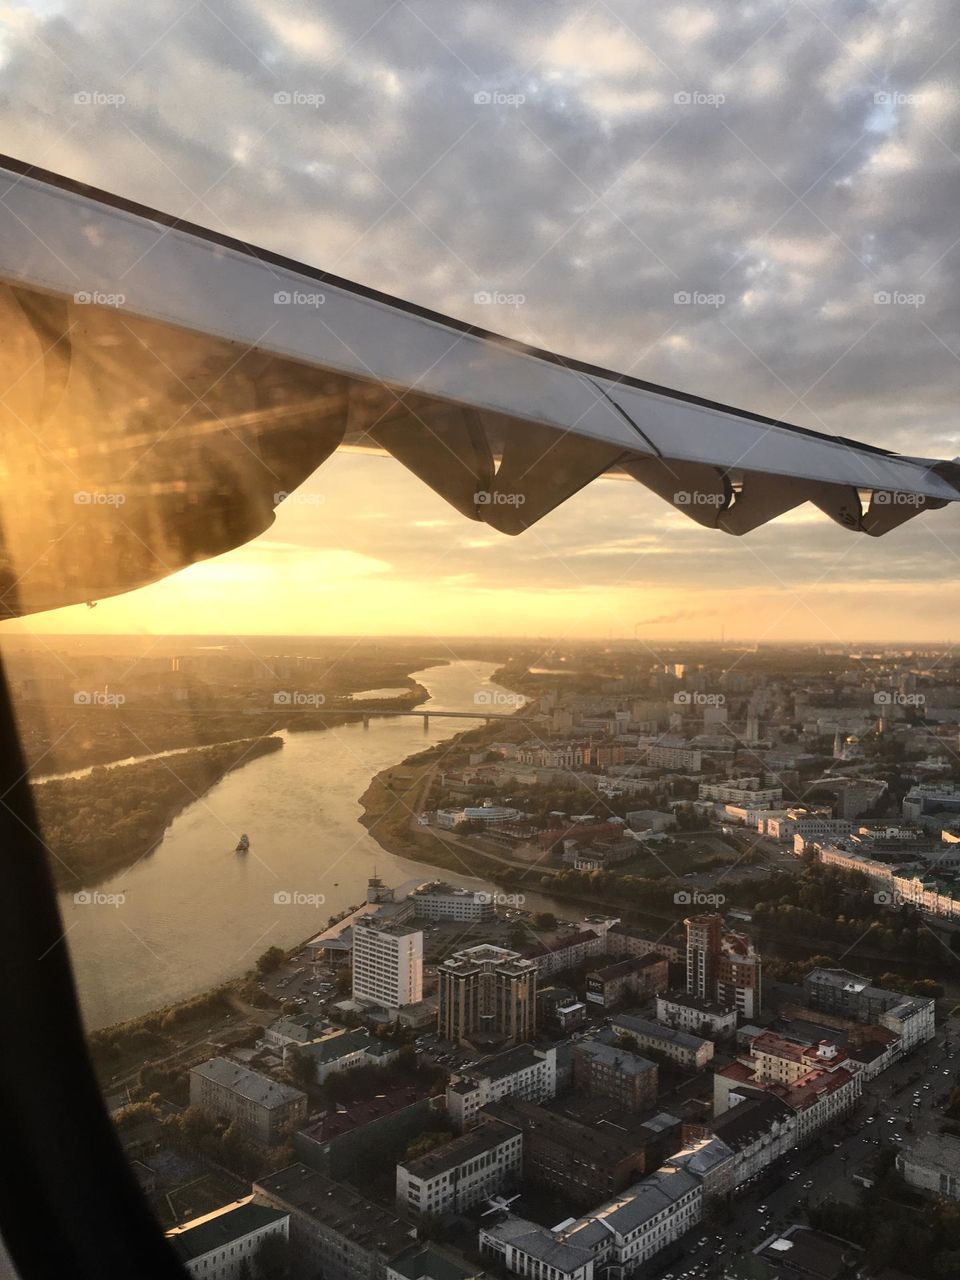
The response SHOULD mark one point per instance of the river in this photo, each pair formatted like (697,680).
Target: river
(193,913)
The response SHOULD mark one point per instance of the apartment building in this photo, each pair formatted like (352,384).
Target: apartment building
(585,1162)
(335,1231)
(604,1070)
(487,995)
(439,900)
(842,993)
(387,963)
(686,1049)
(707,1018)
(261,1106)
(637,978)
(521,1072)
(461,1173)
(614,1240)
(224,1244)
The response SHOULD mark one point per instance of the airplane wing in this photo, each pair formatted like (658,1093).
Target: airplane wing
(166,387)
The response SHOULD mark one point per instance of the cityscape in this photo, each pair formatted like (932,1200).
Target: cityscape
(655,970)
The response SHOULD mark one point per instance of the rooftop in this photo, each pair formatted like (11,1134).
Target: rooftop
(458,1151)
(222,1227)
(938,1151)
(249,1084)
(630,1025)
(339,1208)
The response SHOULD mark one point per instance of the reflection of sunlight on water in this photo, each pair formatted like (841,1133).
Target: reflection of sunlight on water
(196,913)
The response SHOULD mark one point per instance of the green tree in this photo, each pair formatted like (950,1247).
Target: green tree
(270,961)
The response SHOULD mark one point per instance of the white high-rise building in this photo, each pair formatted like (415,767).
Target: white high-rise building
(387,963)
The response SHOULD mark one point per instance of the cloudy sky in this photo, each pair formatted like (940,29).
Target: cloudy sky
(591,160)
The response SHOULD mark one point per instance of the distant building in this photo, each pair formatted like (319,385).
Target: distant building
(334,1231)
(611,1072)
(626,940)
(441,901)
(615,1239)
(684,1048)
(431,1262)
(722,967)
(686,758)
(840,992)
(706,1018)
(741,791)
(521,1072)
(639,978)
(223,1245)
(456,1176)
(585,1162)
(261,1106)
(932,1164)
(569,951)
(487,994)
(387,963)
